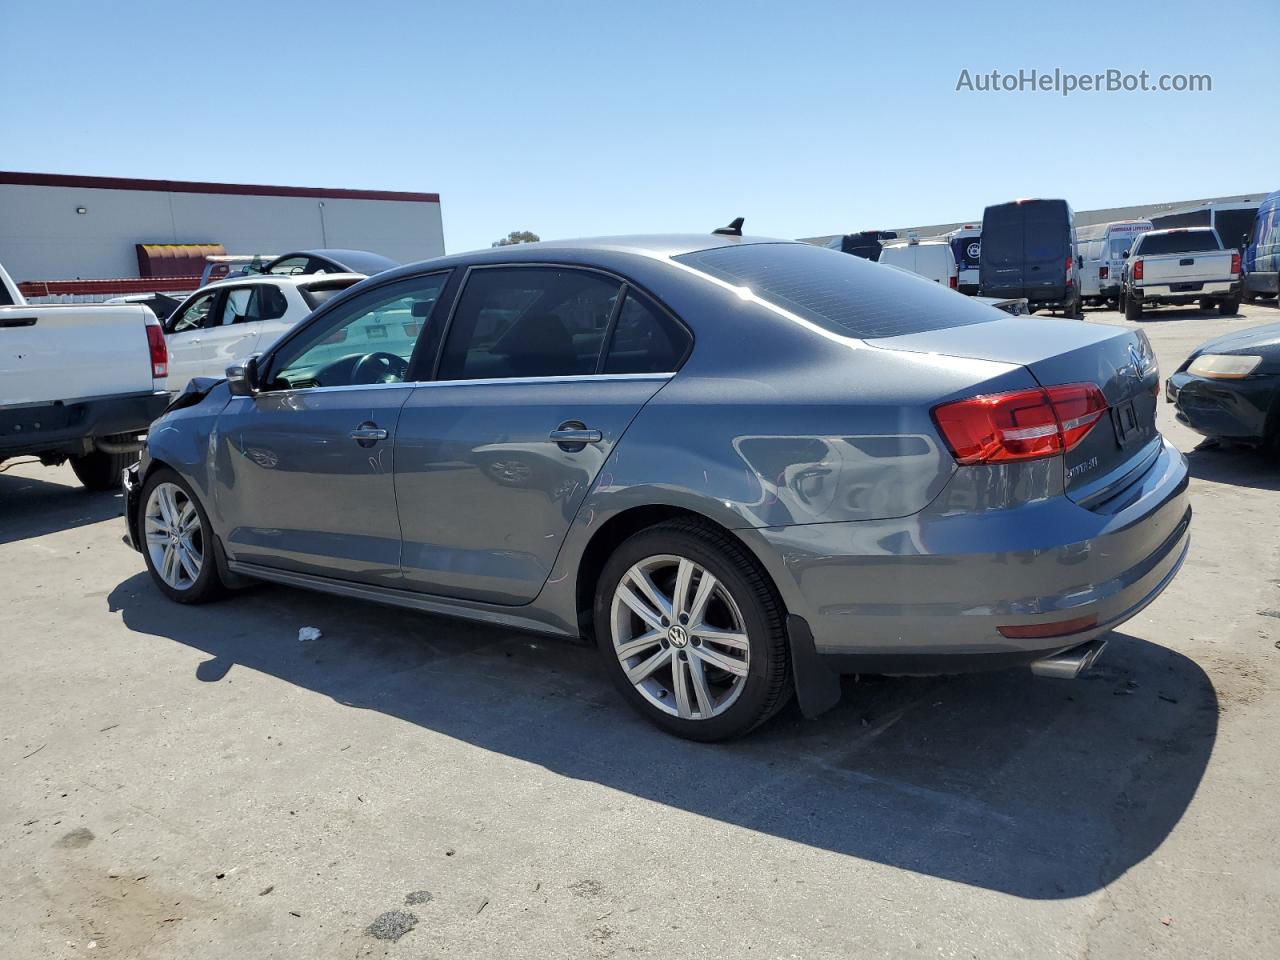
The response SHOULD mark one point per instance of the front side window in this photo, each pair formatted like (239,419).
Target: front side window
(369,340)
(193,315)
(528,322)
(645,340)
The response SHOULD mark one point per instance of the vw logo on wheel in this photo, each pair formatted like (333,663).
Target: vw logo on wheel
(678,635)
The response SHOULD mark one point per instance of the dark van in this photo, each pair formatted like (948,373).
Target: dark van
(1029,250)
(866,243)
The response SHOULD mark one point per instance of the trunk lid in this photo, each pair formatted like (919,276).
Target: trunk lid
(1056,352)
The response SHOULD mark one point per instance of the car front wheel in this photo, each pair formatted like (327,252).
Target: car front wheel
(177,542)
(692,632)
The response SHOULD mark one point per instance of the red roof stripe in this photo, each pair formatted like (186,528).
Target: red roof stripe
(190,186)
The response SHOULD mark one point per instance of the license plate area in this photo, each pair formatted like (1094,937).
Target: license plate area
(1186,287)
(1124,418)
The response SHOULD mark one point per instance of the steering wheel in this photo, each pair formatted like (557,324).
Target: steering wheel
(379,367)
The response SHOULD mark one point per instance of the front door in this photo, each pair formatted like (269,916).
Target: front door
(185,331)
(305,467)
(542,371)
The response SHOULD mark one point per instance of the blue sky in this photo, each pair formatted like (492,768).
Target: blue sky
(578,118)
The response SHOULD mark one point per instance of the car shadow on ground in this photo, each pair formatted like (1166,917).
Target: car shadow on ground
(1237,465)
(1034,787)
(32,508)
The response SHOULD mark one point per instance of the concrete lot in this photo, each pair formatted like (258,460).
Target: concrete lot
(197,783)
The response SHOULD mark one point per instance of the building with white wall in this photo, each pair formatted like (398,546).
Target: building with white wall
(55,227)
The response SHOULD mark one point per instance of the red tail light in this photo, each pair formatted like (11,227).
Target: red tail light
(1104,272)
(1020,425)
(159,352)
(955,283)
(1070,262)
(1235,264)
(1137,270)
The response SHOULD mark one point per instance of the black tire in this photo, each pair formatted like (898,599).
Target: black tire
(1206,305)
(101,471)
(767,685)
(1132,308)
(208,585)
(1229,307)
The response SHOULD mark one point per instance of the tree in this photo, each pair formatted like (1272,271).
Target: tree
(517,236)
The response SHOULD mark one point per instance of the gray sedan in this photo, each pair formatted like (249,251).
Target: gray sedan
(740,466)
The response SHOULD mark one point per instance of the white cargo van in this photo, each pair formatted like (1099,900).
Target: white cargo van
(931,259)
(1102,248)
(966,247)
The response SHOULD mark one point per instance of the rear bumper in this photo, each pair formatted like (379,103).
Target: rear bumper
(1189,292)
(1232,409)
(69,427)
(914,596)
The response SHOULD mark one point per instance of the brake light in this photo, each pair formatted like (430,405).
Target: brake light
(1104,272)
(1021,424)
(1070,263)
(159,352)
(1235,264)
(1137,270)
(954,283)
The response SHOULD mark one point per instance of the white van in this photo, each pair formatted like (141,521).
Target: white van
(1102,248)
(931,259)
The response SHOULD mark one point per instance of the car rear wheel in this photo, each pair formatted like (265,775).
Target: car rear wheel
(692,632)
(1229,307)
(1132,308)
(177,542)
(101,471)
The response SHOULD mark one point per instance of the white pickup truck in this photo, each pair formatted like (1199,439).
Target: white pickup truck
(78,382)
(1180,266)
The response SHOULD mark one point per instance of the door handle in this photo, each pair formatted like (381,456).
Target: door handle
(578,435)
(368,434)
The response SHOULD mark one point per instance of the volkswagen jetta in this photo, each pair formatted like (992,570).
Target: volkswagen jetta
(741,466)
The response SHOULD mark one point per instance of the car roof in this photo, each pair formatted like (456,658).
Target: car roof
(659,246)
(345,257)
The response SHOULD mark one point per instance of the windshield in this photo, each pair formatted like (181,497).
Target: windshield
(1183,241)
(845,295)
(1120,245)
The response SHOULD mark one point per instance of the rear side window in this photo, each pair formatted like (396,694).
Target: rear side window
(528,322)
(251,304)
(645,340)
(845,295)
(1184,241)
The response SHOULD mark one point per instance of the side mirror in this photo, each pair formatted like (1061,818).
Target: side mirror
(242,379)
(1079,263)
(1125,255)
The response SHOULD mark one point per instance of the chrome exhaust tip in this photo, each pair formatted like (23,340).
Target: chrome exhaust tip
(1069,664)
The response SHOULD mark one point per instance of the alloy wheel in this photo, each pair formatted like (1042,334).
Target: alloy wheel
(174,536)
(680,637)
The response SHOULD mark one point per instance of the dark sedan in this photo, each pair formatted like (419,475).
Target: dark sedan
(329,261)
(1229,388)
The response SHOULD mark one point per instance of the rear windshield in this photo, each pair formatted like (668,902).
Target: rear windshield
(1184,241)
(845,295)
(967,251)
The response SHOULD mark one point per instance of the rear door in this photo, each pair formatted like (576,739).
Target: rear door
(542,371)
(1046,245)
(1001,253)
(241,317)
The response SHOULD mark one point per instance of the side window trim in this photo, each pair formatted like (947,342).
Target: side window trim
(606,343)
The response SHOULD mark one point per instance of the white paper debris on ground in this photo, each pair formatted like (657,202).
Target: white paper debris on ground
(309,633)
